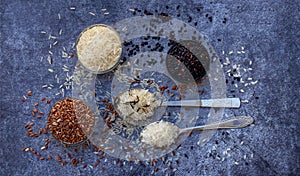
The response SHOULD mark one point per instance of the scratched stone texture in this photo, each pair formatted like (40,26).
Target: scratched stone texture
(268,31)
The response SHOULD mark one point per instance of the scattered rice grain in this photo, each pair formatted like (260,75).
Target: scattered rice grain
(49,59)
(91,13)
(254,82)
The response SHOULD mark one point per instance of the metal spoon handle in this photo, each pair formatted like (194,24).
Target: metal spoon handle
(223,102)
(232,122)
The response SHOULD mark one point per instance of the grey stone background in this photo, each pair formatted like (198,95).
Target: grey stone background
(268,30)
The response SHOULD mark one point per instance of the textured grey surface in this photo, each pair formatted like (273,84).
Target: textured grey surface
(268,30)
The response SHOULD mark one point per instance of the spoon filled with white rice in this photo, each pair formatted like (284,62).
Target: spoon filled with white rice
(163,134)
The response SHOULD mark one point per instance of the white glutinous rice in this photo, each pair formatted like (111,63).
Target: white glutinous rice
(160,134)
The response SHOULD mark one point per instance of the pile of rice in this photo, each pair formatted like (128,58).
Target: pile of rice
(136,106)
(160,134)
(99,48)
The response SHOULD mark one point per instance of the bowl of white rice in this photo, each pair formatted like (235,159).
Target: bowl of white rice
(99,48)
